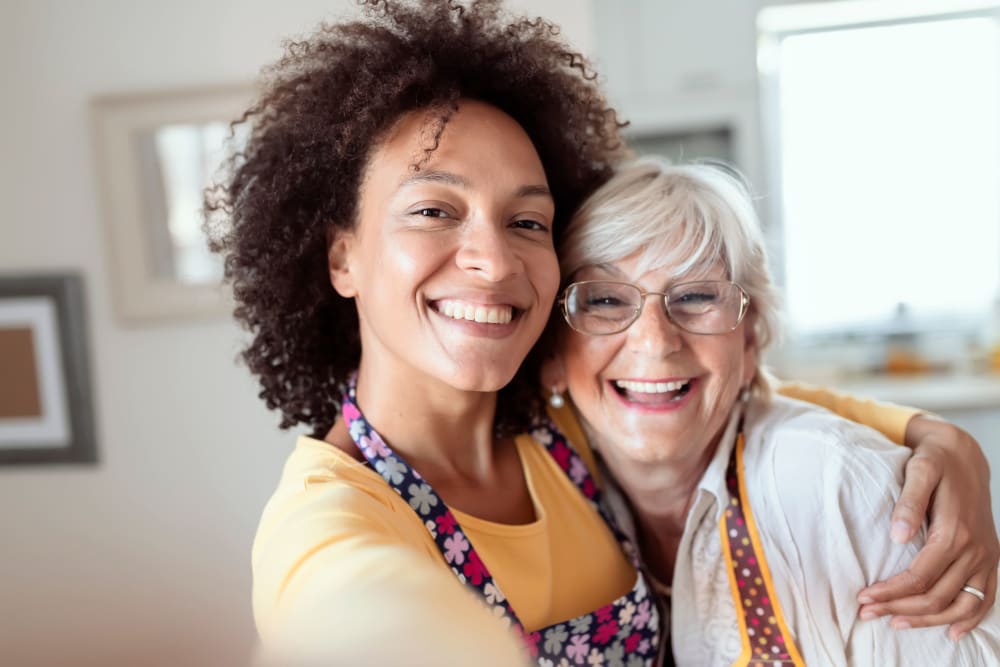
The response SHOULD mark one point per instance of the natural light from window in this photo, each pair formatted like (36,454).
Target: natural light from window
(889,172)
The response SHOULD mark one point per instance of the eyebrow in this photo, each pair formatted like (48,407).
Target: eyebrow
(449,178)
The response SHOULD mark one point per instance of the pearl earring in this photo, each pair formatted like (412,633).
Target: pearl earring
(556,399)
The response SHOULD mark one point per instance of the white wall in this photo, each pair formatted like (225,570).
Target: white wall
(143,559)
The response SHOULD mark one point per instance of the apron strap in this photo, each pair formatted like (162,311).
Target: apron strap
(764,633)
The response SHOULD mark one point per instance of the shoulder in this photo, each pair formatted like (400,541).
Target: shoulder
(813,470)
(332,519)
(323,483)
(789,436)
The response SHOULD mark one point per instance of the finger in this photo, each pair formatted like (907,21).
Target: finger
(911,509)
(965,607)
(925,569)
(959,628)
(937,599)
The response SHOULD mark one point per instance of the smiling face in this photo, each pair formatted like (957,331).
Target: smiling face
(655,393)
(451,263)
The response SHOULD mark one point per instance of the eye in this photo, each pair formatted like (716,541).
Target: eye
(598,301)
(696,297)
(430,212)
(529,224)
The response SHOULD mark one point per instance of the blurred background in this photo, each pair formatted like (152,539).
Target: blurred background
(870,132)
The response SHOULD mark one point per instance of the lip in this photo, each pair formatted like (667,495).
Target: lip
(673,406)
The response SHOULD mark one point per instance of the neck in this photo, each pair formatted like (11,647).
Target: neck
(661,494)
(438,429)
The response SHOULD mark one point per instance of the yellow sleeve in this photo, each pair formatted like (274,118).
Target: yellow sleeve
(888,419)
(341,574)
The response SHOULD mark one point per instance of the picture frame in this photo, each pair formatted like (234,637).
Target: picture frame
(153,152)
(46,399)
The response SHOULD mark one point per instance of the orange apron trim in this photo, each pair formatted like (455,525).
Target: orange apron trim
(764,633)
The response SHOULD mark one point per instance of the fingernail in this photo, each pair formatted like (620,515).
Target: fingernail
(865,599)
(900,532)
(900,624)
(867,615)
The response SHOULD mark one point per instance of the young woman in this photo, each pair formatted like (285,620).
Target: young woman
(389,233)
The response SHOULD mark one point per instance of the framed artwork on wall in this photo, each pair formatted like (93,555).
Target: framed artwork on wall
(46,404)
(156,153)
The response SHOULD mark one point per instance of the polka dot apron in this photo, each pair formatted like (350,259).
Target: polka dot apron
(623,633)
(763,631)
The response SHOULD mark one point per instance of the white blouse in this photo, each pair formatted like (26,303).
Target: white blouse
(821,490)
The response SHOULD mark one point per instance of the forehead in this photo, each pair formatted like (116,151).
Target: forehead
(477,137)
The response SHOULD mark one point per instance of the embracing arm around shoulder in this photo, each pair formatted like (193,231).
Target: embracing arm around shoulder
(341,575)
(833,486)
(946,481)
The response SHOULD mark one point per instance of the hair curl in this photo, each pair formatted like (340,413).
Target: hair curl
(323,107)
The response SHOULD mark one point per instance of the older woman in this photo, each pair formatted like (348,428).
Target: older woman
(758,515)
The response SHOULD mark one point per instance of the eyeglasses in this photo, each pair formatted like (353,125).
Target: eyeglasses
(604,307)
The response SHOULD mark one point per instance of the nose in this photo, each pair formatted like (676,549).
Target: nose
(654,334)
(486,250)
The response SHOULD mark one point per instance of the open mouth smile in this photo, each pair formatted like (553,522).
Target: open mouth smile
(476,312)
(653,392)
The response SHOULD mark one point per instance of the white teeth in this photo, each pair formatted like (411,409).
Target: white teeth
(483,314)
(650,387)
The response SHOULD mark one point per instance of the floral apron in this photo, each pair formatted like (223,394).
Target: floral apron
(623,633)
(765,637)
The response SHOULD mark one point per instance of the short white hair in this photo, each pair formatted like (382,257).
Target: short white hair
(689,217)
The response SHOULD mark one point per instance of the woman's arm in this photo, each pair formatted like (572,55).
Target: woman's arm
(948,472)
(832,484)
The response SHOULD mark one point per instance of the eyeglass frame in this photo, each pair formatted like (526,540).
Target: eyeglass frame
(744,305)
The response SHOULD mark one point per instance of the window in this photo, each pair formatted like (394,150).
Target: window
(885,163)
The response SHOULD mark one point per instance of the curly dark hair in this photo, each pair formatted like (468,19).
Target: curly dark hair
(323,107)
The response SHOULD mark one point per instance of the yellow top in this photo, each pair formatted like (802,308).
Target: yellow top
(329,508)
(340,560)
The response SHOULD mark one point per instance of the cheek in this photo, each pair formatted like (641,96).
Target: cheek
(585,358)
(544,268)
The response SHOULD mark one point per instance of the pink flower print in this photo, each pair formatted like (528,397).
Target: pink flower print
(577,470)
(561,453)
(455,548)
(578,648)
(632,642)
(589,490)
(604,613)
(606,632)
(596,658)
(644,647)
(446,524)
(351,412)
(474,569)
(642,615)
(531,642)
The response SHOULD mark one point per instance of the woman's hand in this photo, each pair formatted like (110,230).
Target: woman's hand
(949,472)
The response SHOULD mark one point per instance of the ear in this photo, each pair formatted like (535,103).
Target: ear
(338,261)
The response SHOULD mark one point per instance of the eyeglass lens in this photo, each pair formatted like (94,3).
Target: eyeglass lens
(603,307)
